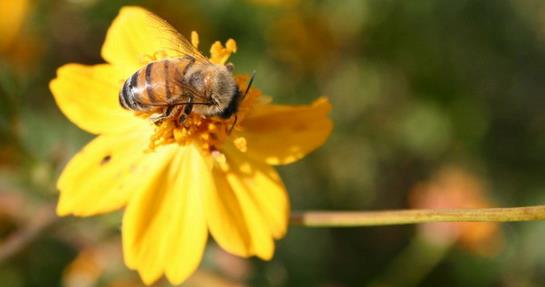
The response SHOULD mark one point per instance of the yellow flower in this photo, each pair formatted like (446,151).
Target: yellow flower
(178,183)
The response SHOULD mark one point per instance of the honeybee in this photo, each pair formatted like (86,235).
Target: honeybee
(177,87)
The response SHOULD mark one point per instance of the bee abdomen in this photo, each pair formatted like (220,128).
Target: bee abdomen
(128,94)
(159,84)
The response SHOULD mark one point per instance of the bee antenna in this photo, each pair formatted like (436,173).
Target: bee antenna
(233,125)
(241,99)
(249,85)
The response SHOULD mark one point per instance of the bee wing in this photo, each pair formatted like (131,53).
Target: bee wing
(193,96)
(182,46)
(185,94)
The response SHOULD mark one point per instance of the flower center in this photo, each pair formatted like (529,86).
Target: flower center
(207,133)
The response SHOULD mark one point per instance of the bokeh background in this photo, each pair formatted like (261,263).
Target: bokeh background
(435,103)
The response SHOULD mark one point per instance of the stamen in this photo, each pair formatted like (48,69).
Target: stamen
(195,39)
(207,133)
(231,46)
(241,144)
(218,156)
(156,56)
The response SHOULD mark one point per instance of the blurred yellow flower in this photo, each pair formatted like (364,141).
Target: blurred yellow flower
(178,183)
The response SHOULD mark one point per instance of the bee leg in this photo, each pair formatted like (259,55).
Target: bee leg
(169,112)
(185,112)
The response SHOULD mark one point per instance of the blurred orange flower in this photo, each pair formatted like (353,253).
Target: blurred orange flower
(89,265)
(16,46)
(178,182)
(12,16)
(99,265)
(454,187)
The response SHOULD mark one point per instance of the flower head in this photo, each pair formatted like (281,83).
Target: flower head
(178,183)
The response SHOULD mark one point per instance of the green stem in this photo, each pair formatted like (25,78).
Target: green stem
(412,216)
(413,264)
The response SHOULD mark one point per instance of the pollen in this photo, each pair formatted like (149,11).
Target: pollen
(207,133)
(241,144)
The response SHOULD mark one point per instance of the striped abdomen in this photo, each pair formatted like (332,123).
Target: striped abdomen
(155,86)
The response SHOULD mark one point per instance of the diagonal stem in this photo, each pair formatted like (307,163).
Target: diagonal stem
(412,216)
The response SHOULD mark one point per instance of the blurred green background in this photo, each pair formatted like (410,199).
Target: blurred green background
(435,104)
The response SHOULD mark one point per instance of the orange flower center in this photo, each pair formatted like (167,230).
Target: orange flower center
(208,133)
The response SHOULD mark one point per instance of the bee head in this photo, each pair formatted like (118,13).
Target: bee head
(222,89)
(233,104)
(237,98)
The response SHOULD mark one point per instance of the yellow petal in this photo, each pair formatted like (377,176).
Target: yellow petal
(249,208)
(280,134)
(136,37)
(164,227)
(104,174)
(265,188)
(88,96)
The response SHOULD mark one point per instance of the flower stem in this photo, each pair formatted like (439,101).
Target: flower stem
(412,216)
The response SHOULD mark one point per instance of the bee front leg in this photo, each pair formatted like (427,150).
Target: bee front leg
(185,112)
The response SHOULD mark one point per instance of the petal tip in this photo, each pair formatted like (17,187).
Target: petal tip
(323,101)
(177,278)
(147,277)
(131,9)
(266,255)
(62,210)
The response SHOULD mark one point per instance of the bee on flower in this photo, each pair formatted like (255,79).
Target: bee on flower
(176,87)
(182,144)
